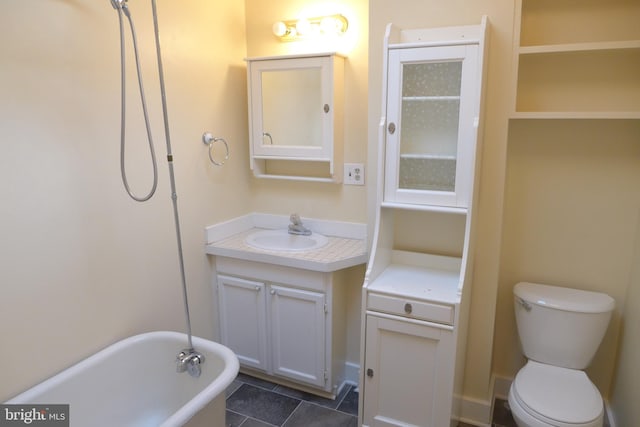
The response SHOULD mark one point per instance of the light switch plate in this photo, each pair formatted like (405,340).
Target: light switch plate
(353,174)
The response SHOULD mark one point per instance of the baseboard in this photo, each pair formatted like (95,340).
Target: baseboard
(479,412)
(352,373)
(609,415)
(476,412)
(501,386)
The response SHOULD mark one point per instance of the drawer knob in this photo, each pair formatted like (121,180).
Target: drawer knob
(407,308)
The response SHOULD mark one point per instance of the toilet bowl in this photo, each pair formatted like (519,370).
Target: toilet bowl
(560,330)
(544,396)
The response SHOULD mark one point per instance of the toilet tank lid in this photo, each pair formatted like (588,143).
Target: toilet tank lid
(561,298)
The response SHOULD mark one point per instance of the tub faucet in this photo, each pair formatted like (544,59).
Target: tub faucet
(189,360)
(296,226)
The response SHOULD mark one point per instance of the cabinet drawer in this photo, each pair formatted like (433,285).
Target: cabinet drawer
(433,312)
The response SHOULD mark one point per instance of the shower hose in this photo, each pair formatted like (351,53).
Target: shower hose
(122,8)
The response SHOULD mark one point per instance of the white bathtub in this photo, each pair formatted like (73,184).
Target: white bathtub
(134,383)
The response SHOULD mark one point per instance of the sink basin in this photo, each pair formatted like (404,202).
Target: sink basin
(281,240)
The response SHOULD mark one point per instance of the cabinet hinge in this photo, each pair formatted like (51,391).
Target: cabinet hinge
(326,308)
(326,376)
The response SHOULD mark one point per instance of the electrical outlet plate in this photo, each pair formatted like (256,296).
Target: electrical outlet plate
(353,174)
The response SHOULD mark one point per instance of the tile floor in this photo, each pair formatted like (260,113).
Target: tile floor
(502,415)
(252,402)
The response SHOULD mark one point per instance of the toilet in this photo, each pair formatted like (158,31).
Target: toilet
(560,330)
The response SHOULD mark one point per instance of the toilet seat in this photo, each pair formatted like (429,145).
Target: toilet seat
(558,396)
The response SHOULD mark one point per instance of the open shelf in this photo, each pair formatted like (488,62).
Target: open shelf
(566,22)
(579,47)
(577,59)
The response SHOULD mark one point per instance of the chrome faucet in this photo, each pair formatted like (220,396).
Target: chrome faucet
(296,226)
(189,360)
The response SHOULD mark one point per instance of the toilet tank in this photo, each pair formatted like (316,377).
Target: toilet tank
(560,326)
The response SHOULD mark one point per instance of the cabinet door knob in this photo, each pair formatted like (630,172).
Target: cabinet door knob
(392,128)
(370,373)
(408,308)
(257,288)
(326,108)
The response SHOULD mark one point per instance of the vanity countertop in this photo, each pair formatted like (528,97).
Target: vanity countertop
(338,253)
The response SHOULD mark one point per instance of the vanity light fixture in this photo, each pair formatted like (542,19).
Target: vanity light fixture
(308,27)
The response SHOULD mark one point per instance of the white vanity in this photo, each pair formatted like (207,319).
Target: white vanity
(283,310)
(416,291)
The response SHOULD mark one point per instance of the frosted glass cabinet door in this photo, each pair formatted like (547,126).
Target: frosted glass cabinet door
(430,131)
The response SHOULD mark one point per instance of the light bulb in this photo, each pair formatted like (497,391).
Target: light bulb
(279,29)
(330,25)
(303,26)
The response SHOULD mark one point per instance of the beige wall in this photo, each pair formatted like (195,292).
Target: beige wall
(432,13)
(625,390)
(82,264)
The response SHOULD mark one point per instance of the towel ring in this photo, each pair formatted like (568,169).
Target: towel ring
(210,140)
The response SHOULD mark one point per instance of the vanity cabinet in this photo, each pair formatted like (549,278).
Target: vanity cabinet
(431,124)
(417,286)
(295,116)
(284,324)
(273,328)
(243,319)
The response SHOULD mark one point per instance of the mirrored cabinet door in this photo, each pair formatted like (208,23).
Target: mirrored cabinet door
(291,106)
(295,116)
(430,125)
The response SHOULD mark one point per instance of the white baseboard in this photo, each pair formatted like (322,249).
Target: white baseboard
(352,373)
(476,412)
(608,413)
(501,386)
(479,412)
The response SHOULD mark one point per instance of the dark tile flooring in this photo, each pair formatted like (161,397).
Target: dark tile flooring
(502,414)
(252,402)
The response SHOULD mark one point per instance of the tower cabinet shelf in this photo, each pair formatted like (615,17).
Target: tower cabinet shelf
(577,60)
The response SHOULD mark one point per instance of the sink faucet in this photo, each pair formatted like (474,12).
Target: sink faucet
(296,226)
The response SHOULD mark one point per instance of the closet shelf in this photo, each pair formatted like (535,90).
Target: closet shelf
(431,98)
(428,156)
(579,47)
(606,115)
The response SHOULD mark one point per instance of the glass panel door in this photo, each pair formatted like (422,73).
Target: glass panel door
(429,136)
(430,125)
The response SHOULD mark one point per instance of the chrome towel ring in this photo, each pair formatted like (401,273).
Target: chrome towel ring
(211,140)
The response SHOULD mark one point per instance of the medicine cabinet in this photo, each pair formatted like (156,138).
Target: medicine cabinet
(295,116)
